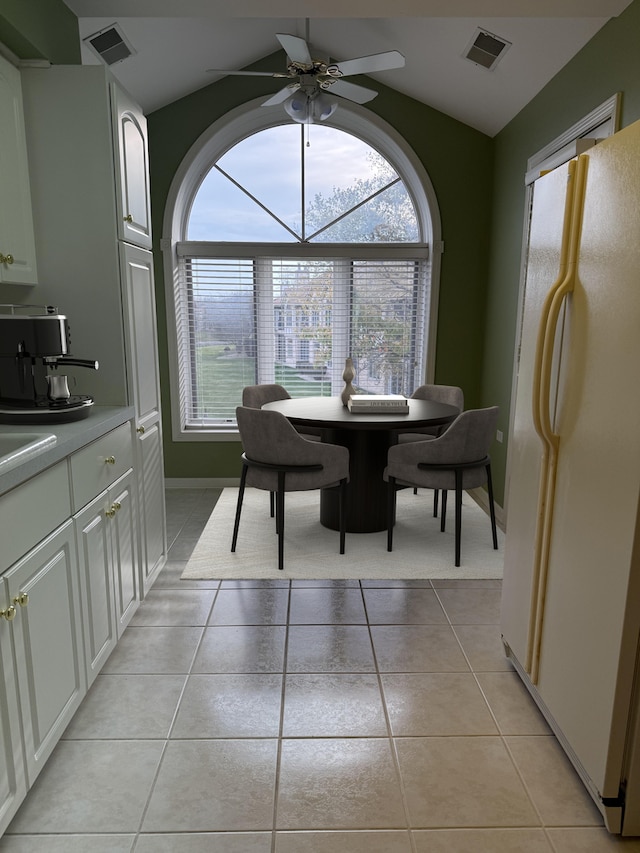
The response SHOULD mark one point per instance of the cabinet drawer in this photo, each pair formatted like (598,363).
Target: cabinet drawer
(99,464)
(31,511)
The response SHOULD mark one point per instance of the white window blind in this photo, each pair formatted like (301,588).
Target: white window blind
(294,320)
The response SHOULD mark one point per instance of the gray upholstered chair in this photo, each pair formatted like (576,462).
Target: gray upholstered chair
(278,459)
(255,396)
(450,394)
(456,460)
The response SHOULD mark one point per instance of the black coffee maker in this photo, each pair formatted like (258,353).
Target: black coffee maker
(35,342)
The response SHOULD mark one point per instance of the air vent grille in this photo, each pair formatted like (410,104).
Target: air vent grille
(486,49)
(110,45)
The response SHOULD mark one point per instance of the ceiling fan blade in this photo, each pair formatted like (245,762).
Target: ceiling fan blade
(246,73)
(354,93)
(280,96)
(296,48)
(375,62)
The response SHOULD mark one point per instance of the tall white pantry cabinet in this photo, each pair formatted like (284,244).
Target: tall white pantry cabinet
(88,162)
(17,245)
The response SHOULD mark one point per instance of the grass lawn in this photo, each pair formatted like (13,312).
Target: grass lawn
(228,374)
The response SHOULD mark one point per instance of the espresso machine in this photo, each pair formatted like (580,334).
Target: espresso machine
(35,345)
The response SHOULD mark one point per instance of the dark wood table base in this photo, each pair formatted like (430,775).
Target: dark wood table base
(368,458)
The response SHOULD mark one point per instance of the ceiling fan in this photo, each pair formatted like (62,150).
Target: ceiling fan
(305,97)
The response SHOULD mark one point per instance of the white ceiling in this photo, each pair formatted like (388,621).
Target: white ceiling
(176,41)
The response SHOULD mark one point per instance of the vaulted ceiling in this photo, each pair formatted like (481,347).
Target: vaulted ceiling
(175,42)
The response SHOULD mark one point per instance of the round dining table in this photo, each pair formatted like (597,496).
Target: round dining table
(368,438)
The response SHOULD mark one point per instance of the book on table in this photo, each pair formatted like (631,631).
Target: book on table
(382,403)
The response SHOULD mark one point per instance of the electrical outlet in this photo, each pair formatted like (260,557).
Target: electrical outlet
(499,436)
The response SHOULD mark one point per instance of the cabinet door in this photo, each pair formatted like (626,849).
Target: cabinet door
(96,582)
(122,512)
(107,546)
(47,636)
(142,355)
(17,245)
(140,324)
(132,170)
(152,507)
(13,785)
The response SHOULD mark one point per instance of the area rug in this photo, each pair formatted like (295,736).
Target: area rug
(420,550)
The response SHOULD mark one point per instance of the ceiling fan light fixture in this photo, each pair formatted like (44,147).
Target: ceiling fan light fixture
(309,109)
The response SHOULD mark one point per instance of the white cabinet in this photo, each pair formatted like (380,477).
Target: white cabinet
(152,508)
(105,532)
(88,157)
(17,246)
(105,501)
(13,784)
(42,673)
(69,584)
(47,637)
(133,198)
(142,353)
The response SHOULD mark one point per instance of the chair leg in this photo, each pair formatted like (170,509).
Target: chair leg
(458,513)
(236,525)
(435,503)
(492,509)
(391,512)
(280,519)
(272,504)
(343,513)
(443,511)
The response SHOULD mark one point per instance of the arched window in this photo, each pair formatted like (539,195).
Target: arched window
(289,247)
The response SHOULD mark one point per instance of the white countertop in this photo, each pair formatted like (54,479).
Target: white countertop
(69,437)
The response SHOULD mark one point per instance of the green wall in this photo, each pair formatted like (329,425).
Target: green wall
(40,29)
(610,63)
(458,160)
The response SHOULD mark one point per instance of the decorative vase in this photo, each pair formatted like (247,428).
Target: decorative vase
(348,375)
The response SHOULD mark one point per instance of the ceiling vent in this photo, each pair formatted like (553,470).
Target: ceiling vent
(110,45)
(486,49)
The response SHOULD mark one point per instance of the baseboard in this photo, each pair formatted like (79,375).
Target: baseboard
(201,482)
(481,497)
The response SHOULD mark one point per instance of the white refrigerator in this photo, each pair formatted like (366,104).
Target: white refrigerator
(571,592)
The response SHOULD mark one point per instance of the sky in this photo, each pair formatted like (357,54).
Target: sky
(269,165)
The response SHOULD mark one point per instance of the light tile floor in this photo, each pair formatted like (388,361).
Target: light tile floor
(337,717)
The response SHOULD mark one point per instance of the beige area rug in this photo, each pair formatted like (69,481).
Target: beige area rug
(420,550)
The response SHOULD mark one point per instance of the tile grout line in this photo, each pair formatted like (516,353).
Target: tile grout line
(276,788)
(496,723)
(390,737)
(174,717)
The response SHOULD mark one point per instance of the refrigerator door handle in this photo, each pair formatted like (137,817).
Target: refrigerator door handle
(563,285)
(556,297)
(537,400)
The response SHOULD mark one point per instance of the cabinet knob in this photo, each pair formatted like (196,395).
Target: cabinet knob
(115,507)
(110,460)
(140,429)
(6,259)
(128,218)
(9,614)
(22,598)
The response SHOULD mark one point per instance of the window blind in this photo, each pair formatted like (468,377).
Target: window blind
(294,320)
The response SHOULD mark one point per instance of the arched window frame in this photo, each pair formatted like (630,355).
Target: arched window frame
(222,135)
